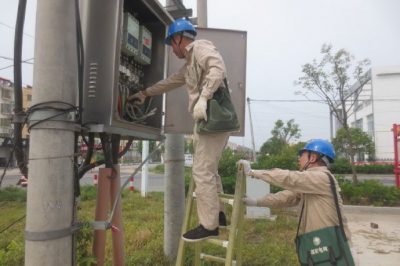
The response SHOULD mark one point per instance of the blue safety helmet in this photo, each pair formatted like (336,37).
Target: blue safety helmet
(180,25)
(320,146)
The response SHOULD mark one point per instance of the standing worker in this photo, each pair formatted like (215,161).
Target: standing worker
(310,189)
(203,73)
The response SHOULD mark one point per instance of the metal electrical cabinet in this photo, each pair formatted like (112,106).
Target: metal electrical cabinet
(232,46)
(124,53)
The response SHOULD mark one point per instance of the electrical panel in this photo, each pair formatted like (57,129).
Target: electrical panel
(124,54)
(145,46)
(131,35)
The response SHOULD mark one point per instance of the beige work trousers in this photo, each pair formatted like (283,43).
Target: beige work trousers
(208,149)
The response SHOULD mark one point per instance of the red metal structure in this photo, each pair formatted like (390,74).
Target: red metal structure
(396,140)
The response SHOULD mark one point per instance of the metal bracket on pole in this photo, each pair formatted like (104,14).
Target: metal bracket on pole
(55,234)
(53,119)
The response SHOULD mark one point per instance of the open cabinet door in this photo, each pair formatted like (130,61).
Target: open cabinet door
(232,46)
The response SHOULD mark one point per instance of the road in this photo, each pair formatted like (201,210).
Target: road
(156,181)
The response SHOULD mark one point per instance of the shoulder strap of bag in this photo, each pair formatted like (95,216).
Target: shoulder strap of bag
(194,62)
(335,197)
(301,215)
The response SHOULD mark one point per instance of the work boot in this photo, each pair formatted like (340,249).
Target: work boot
(199,233)
(222,220)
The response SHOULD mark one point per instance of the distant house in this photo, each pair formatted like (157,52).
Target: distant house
(377,109)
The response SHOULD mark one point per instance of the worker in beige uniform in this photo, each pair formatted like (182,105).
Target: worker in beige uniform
(309,186)
(203,73)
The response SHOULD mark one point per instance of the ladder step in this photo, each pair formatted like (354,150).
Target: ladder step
(228,196)
(227,201)
(204,256)
(218,242)
(212,258)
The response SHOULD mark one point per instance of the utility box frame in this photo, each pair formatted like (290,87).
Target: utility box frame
(104,98)
(102,26)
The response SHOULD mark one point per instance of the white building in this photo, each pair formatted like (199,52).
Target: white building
(6,107)
(378,108)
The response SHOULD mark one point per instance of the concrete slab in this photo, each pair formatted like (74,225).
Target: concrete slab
(375,246)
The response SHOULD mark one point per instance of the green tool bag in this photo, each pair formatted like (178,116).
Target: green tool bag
(221,114)
(326,246)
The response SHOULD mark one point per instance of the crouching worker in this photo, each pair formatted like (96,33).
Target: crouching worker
(322,236)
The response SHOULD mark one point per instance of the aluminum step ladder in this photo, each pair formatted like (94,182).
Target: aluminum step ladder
(235,230)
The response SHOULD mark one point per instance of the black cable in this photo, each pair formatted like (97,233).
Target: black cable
(80,57)
(18,110)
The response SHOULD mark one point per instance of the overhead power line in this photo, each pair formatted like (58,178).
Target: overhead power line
(26,61)
(12,28)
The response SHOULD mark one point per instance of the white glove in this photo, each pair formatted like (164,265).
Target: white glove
(139,96)
(200,108)
(249,201)
(246,166)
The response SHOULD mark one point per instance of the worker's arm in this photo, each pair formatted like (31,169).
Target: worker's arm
(172,82)
(296,181)
(280,199)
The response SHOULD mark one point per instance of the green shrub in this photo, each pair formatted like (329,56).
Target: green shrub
(13,194)
(341,166)
(227,169)
(369,192)
(375,169)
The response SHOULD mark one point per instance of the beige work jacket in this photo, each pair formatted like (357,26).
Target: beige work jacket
(204,70)
(311,187)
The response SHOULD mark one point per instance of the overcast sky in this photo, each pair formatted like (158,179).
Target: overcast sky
(282,36)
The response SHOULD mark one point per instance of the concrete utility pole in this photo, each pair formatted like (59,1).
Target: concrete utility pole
(48,239)
(202,13)
(174,193)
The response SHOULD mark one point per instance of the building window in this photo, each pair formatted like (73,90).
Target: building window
(5,94)
(5,122)
(29,97)
(359,124)
(370,125)
(6,108)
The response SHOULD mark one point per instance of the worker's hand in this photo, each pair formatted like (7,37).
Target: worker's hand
(200,108)
(23,181)
(139,97)
(246,166)
(249,201)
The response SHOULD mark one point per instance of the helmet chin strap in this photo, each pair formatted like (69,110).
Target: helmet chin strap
(179,44)
(307,163)
(305,166)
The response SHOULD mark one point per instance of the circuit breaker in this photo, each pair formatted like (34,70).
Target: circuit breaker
(145,46)
(124,54)
(131,35)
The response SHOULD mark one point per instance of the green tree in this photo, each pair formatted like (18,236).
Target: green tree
(338,81)
(282,134)
(359,141)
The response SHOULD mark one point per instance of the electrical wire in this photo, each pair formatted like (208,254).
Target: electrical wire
(24,61)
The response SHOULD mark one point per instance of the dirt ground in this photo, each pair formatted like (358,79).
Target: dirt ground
(375,246)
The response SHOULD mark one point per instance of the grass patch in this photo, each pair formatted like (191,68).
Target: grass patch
(12,194)
(265,242)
